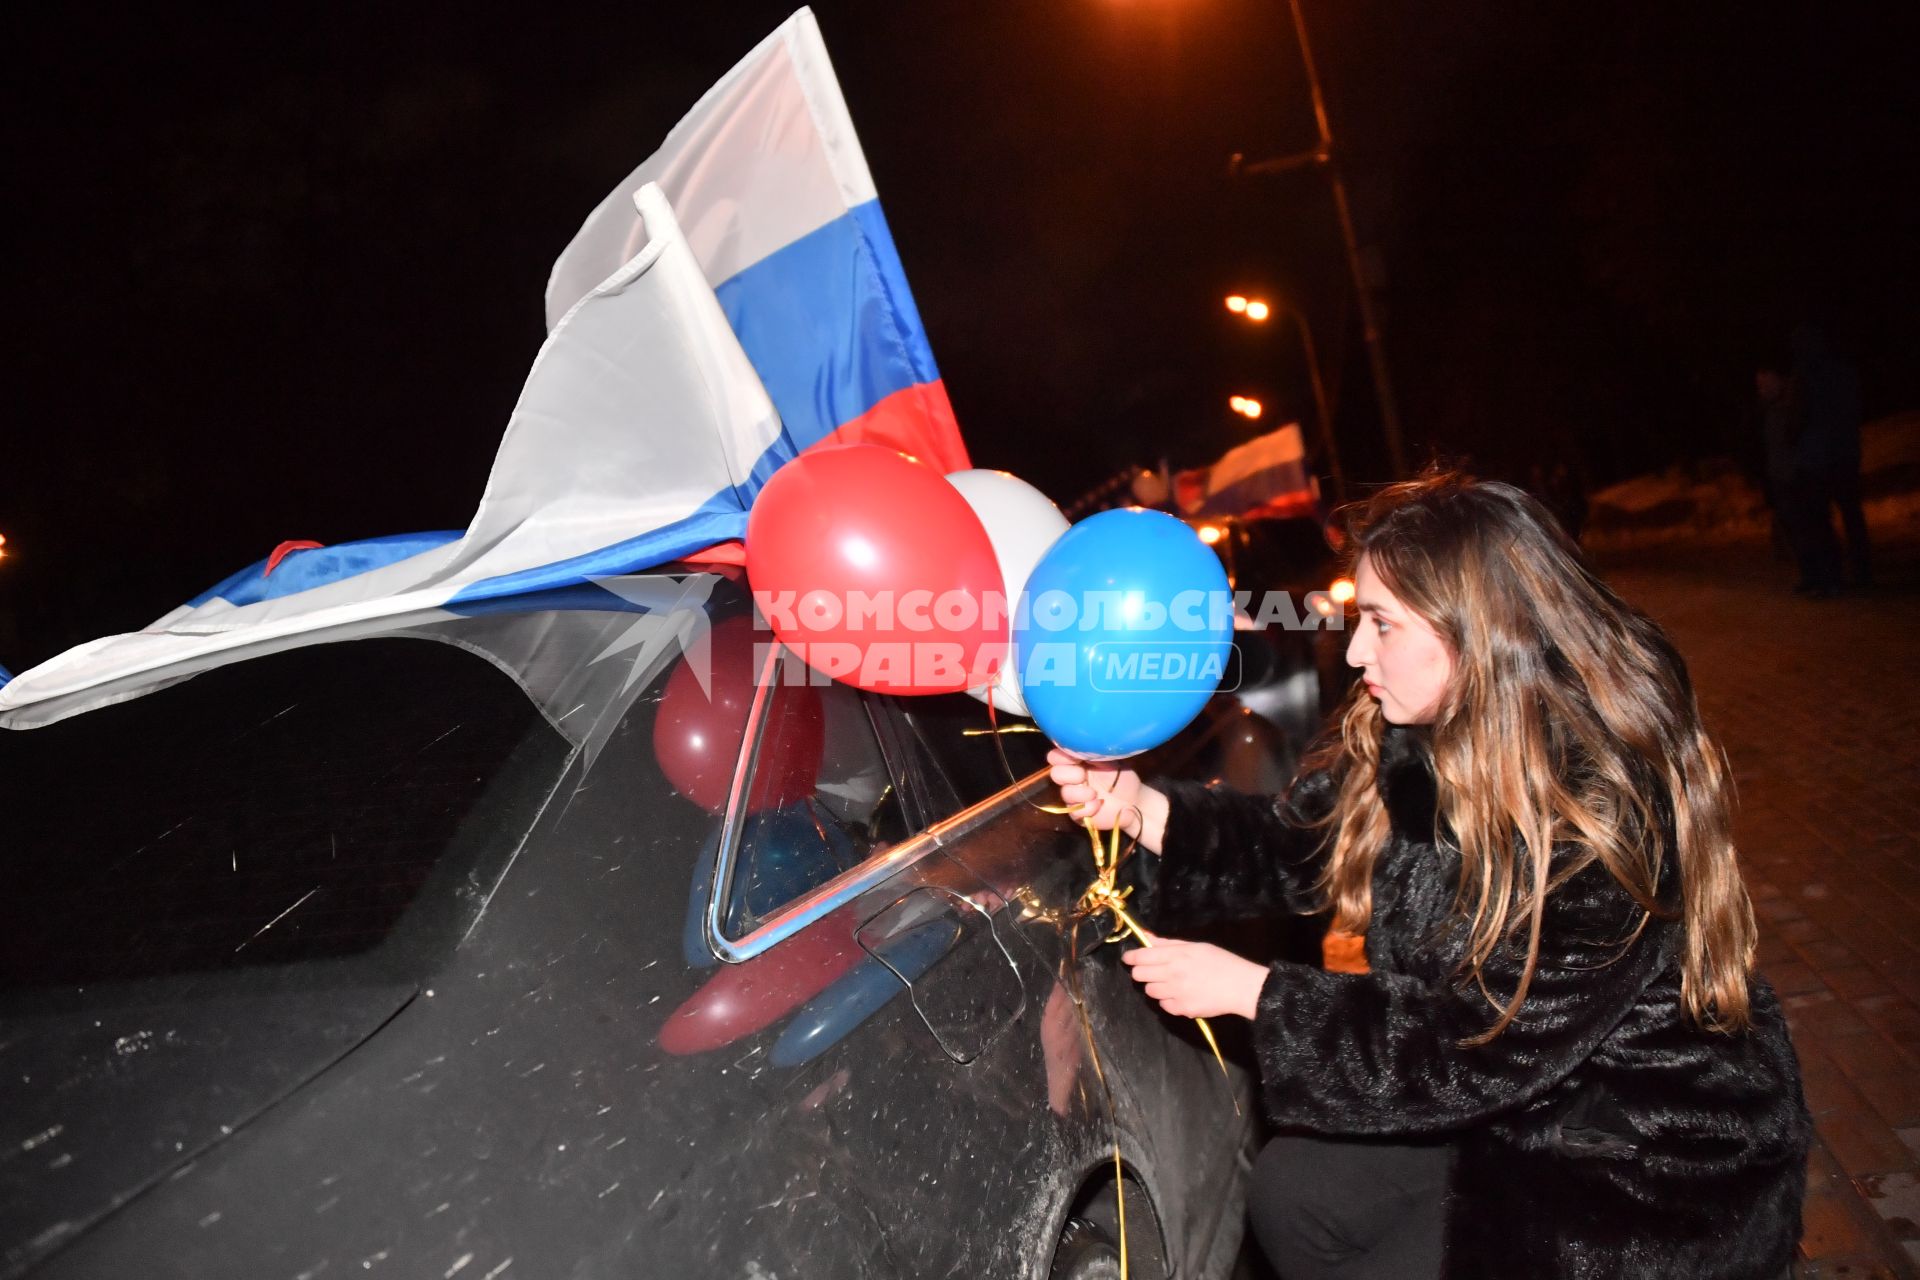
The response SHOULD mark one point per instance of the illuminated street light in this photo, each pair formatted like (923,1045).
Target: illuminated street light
(1322,157)
(1338,595)
(1246,406)
(1209,533)
(1257,310)
(3,546)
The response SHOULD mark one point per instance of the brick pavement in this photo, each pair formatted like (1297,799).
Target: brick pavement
(1818,705)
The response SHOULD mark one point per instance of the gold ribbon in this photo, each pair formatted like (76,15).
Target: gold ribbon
(1106,1089)
(998,731)
(1104,894)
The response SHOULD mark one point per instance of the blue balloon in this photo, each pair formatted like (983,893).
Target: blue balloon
(1123,633)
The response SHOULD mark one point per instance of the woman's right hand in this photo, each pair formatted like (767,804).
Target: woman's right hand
(1109,797)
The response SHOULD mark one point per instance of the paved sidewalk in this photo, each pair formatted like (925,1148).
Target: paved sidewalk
(1818,705)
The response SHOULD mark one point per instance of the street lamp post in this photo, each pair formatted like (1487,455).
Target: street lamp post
(1312,354)
(1257,310)
(1321,157)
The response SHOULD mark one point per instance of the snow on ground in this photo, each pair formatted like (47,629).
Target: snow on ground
(1714,501)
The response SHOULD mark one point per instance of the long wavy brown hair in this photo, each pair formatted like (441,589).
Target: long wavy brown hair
(1568,735)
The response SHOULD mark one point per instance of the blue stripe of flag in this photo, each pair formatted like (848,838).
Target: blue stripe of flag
(830,324)
(316,567)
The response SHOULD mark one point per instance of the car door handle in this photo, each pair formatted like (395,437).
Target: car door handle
(868,988)
(948,952)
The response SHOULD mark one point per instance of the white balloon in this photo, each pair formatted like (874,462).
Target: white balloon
(1021,523)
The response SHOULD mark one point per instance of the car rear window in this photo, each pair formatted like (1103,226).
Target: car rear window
(837,810)
(289,808)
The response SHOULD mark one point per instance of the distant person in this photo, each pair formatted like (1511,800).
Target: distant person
(1826,395)
(1779,425)
(1561,1062)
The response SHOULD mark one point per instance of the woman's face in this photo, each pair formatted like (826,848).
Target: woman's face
(1404,662)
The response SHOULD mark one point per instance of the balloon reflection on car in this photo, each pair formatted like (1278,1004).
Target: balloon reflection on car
(698,732)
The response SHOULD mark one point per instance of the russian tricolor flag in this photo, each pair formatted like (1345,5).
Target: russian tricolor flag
(772,190)
(1266,476)
(736,301)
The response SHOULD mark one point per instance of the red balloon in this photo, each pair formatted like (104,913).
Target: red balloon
(874,569)
(697,739)
(741,999)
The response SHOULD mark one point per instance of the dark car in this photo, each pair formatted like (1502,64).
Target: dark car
(493,944)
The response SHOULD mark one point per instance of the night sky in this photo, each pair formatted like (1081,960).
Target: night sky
(280,277)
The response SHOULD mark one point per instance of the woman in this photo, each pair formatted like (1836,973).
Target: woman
(1561,1063)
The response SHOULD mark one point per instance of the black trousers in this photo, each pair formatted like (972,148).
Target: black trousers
(1811,499)
(1844,484)
(1350,1209)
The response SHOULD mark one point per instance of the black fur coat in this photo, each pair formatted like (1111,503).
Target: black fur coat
(1601,1134)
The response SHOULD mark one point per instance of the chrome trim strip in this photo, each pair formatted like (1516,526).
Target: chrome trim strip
(737,801)
(850,884)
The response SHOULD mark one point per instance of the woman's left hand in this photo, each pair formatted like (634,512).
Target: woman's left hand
(1197,979)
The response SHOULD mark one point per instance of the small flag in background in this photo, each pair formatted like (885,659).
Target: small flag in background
(1266,476)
